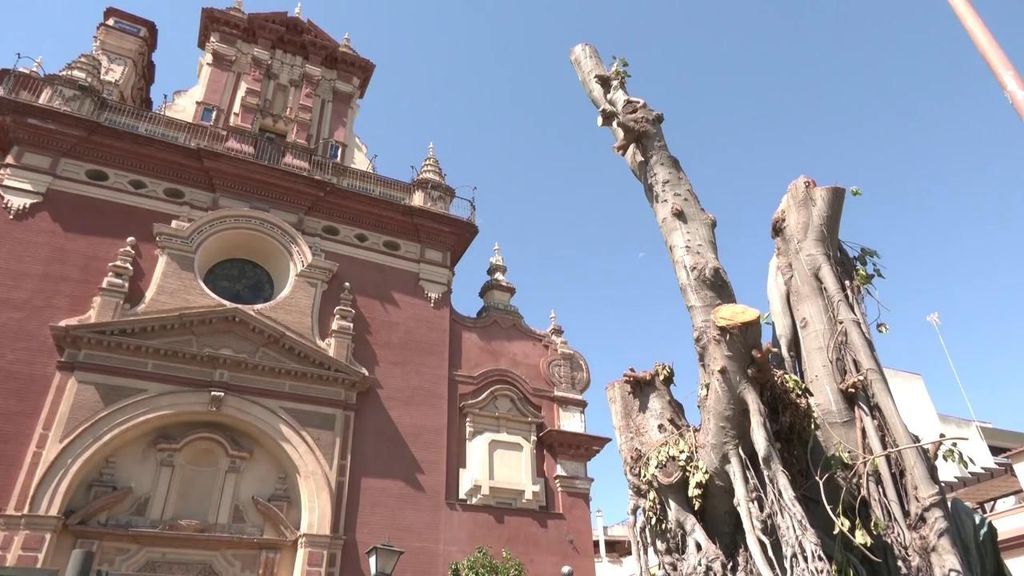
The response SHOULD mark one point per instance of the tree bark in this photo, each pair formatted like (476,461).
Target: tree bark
(721,499)
(734,442)
(838,362)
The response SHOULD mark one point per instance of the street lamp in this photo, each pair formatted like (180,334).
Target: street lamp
(383,558)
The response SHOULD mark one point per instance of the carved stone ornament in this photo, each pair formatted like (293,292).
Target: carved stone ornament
(17,202)
(20,189)
(216,400)
(567,371)
(167,567)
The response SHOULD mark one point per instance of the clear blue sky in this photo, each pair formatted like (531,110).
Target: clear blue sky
(888,96)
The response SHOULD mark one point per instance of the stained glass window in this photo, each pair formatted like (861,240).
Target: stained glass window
(240,281)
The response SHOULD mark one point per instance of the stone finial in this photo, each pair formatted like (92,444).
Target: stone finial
(555,330)
(37,66)
(429,186)
(346,44)
(497,267)
(430,169)
(339,343)
(497,291)
(239,5)
(298,9)
(85,69)
(109,304)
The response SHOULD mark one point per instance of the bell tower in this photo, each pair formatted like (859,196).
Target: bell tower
(124,45)
(279,76)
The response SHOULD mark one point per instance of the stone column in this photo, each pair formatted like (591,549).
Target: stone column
(26,540)
(311,558)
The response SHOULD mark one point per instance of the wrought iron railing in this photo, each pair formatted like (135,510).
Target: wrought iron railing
(66,94)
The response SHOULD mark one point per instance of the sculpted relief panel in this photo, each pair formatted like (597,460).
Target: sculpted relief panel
(188,478)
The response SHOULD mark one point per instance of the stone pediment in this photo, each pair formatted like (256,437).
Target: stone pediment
(221,339)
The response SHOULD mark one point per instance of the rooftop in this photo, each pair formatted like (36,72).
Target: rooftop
(66,94)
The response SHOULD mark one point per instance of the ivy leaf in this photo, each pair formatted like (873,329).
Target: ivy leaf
(877,526)
(860,536)
(855,191)
(870,252)
(861,276)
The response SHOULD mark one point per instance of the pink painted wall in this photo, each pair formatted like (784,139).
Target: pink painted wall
(217,83)
(339,117)
(407,435)
(54,259)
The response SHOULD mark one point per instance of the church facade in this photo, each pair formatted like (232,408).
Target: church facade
(230,347)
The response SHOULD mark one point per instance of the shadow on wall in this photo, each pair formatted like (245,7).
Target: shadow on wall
(116,222)
(375,294)
(500,515)
(379,451)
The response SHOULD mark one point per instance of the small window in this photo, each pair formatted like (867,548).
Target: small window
(129,28)
(334,150)
(207,114)
(97,175)
(174,193)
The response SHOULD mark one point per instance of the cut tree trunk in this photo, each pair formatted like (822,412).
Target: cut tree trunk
(838,362)
(722,498)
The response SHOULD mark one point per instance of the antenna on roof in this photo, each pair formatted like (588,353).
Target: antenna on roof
(933,319)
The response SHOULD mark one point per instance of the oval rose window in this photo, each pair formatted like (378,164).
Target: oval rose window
(240,281)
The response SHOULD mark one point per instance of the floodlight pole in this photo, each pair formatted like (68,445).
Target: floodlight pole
(994,56)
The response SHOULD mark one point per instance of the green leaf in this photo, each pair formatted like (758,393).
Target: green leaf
(855,191)
(870,252)
(481,563)
(877,526)
(860,536)
(861,276)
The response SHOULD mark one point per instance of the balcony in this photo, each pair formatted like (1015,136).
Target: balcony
(66,94)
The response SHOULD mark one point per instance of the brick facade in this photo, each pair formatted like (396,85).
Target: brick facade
(330,417)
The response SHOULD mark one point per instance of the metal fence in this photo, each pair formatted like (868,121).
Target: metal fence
(66,94)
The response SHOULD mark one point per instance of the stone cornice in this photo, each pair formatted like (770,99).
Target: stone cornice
(572,445)
(277,30)
(78,138)
(495,376)
(178,539)
(126,337)
(503,320)
(309,393)
(17,522)
(576,484)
